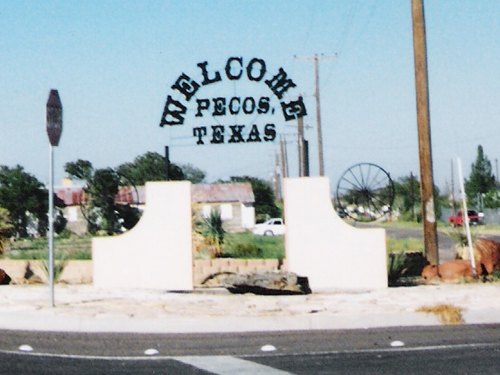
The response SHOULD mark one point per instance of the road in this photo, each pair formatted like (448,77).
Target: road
(414,350)
(445,242)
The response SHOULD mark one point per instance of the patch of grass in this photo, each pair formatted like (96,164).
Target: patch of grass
(405,245)
(404,224)
(72,248)
(248,245)
(447,314)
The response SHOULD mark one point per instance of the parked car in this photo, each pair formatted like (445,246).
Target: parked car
(475,218)
(272,227)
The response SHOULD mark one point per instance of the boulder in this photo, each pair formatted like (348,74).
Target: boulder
(4,278)
(268,283)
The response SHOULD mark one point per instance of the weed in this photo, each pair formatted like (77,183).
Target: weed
(59,266)
(447,314)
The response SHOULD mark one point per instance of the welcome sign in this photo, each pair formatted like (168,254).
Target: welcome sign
(209,112)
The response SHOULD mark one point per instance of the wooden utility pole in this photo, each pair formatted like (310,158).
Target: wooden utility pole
(424,136)
(315,59)
(453,203)
(300,144)
(284,159)
(277,178)
(318,118)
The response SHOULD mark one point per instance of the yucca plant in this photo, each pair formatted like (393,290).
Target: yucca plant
(59,266)
(213,230)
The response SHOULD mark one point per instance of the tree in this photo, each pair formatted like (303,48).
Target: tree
(407,198)
(481,179)
(80,169)
(193,174)
(149,167)
(265,201)
(102,190)
(23,196)
(5,228)
(407,191)
(101,209)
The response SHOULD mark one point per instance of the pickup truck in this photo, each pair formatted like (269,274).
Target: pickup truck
(475,218)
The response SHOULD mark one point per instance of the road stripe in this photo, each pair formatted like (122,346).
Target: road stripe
(227,365)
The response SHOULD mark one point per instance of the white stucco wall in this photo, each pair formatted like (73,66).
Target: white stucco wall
(247,216)
(157,252)
(321,246)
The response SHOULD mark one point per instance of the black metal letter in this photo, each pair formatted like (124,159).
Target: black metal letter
(262,69)
(254,135)
(269,133)
(200,132)
(294,109)
(186,86)
(231,76)
(219,106)
(206,79)
(174,112)
(280,84)
(217,134)
(236,133)
(232,109)
(263,106)
(203,105)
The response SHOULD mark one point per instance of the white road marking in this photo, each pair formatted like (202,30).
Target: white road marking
(151,352)
(227,365)
(25,348)
(268,348)
(397,343)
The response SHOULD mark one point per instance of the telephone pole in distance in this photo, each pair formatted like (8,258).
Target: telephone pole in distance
(315,58)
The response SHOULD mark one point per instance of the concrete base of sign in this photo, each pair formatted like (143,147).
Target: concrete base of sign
(157,252)
(321,246)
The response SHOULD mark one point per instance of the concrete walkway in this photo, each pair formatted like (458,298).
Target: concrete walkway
(85,308)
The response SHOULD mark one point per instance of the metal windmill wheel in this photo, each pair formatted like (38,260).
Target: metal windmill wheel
(365,192)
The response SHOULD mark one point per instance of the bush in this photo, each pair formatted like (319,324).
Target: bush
(245,250)
(248,245)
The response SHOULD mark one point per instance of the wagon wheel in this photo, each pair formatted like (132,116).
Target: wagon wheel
(365,192)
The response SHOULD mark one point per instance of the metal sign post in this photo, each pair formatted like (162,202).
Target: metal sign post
(465,216)
(54,130)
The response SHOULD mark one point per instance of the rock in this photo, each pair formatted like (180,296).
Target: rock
(268,283)
(413,264)
(4,278)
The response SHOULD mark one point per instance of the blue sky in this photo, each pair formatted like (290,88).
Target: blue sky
(114,63)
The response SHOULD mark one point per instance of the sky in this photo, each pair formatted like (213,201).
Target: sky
(114,64)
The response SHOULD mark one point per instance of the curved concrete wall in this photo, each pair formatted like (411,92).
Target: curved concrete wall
(321,246)
(157,252)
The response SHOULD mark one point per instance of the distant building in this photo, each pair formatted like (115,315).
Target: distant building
(235,202)
(72,197)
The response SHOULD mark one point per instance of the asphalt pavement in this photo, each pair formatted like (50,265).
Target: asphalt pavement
(84,308)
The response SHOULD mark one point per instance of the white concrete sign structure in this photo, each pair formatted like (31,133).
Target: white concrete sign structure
(157,252)
(321,246)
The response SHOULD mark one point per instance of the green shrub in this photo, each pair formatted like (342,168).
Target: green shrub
(248,245)
(405,245)
(59,266)
(246,250)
